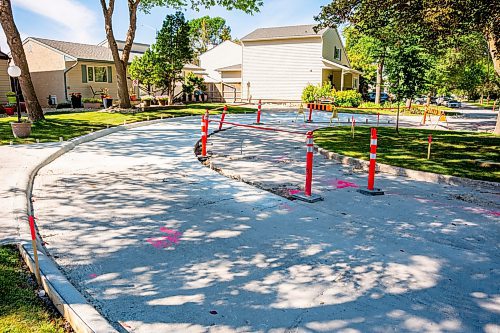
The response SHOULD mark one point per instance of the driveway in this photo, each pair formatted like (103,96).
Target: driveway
(158,242)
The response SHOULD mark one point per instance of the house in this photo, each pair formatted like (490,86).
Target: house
(5,85)
(222,64)
(277,63)
(60,68)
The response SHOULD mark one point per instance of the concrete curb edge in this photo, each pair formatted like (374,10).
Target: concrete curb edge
(409,173)
(82,316)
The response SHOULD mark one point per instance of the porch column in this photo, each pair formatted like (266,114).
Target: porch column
(342,80)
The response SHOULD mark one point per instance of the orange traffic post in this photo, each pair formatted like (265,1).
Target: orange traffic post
(307,195)
(309,120)
(222,117)
(259,110)
(371,190)
(35,251)
(204,136)
(429,139)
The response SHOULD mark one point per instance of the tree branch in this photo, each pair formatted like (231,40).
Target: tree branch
(132,10)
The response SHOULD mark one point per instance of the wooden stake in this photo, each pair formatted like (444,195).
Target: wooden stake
(35,251)
(429,147)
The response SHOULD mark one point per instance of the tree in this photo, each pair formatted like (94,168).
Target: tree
(35,112)
(121,61)
(173,50)
(146,69)
(406,70)
(434,20)
(368,55)
(206,31)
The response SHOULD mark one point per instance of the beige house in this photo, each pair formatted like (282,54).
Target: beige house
(60,68)
(279,62)
(5,85)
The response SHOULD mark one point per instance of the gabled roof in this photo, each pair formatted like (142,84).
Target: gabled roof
(78,50)
(295,31)
(3,56)
(233,68)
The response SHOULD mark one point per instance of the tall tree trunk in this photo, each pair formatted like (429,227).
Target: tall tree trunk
(495,56)
(121,63)
(33,107)
(378,87)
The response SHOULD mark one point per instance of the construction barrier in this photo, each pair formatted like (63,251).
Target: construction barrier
(307,195)
(319,106)
(222,117)
(431,111)
(300,111)
(371,190)
(35,251)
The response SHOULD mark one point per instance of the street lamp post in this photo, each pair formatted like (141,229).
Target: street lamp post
(15,72)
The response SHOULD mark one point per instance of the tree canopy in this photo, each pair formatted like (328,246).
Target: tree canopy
(206,31)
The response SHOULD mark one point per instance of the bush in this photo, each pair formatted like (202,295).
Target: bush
(10,94)
(162,98)
(91,100)
(64,105)
(347,98)
(325,91)
(309,94)
(147,98)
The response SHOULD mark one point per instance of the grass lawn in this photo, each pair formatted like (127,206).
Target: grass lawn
(485,104)
(72,124)
(20,308)
(453,153)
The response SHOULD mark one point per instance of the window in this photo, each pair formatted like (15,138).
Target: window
(97,74)
(355,83)
(336,53)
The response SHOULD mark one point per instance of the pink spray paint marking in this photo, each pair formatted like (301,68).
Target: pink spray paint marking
(92,276)
(482,211)
(165,241)
(339,184)
(292,192)
(286,207)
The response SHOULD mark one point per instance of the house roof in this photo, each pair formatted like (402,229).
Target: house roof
(295,31)
(4,56)
(233,68)
(190,66)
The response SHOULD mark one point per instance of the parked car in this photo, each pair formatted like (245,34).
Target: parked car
(442,100)
(453,103)
(383,97)
(422,100)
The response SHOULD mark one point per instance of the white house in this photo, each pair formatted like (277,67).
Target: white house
(279,62)
(222,65)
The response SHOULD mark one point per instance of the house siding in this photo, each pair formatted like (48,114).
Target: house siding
(280,69)
(223,55)
(4,81)
(330,40)
(47,71)
(74,82)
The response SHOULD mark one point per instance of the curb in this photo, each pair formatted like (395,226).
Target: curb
(82,316)
(409,173)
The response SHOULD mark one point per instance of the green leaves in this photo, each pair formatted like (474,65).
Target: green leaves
(247,6)
(207,31)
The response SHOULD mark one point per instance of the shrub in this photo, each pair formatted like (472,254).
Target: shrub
(162,98)
(91,100)
(325,91)
(147,98)
(10,94)
(309,94)
(64,105)
(347,98)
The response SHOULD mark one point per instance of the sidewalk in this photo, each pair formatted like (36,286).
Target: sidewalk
(16,163)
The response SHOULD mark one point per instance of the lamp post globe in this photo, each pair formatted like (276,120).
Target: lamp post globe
(14,71)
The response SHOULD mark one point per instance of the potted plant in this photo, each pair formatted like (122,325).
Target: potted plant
(91,103)
(146,100)
(76,100)
(21,128)
(11,97)
(9,109)
(162,99)
(133,97)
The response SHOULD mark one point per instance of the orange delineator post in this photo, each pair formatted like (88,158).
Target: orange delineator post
(35,251)
(309,164)
(222,117)
(309,120)
(259,109)
(373,159)
(371,190)
(204,134)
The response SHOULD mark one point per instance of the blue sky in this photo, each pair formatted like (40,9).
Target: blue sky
(81,20)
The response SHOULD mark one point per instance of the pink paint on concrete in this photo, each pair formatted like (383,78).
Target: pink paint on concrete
(92,276)
(292,192)
(165,241)
(339,184)
(286,207)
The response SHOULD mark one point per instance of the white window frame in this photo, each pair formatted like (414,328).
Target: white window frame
(335,49)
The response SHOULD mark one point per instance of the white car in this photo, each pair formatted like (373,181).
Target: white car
(453,103)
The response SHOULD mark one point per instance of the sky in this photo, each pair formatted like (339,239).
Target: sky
(81,21)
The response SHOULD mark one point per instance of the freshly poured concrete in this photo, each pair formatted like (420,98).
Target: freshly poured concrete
(160,243)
